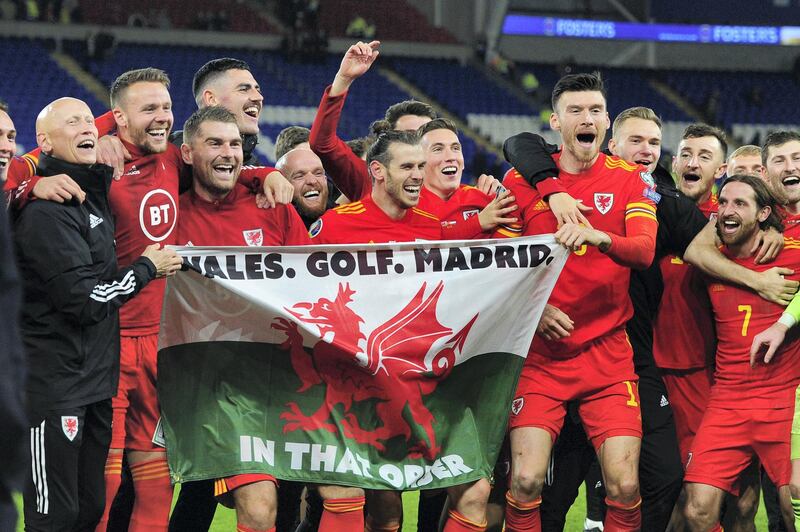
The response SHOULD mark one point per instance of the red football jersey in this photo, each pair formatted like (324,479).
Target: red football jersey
(237,221)
(458,213)
(739,315)
(592,289)
(683,330)
(363,222)
(145,206)
(791,223)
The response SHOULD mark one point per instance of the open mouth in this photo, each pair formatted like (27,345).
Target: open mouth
(586,139)
(450,170)
(251,111)
(412,189)
(87,144)
(158,134)
(644,162)
(312,195)
(223,169)
(691,178)
(4,161)
(729,226)
(791,180)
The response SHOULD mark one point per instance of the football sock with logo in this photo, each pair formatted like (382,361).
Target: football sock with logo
(796,510)
(523,516)
(342,515)
(456,522)
(113,477)
(153,496)
(623,517)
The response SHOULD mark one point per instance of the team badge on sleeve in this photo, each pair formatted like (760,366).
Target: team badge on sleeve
(647,177)
(253,237)
(517,404)
(603,202)
(315,228)
(69,424)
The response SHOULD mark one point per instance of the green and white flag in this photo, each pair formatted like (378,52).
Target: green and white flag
(381,366)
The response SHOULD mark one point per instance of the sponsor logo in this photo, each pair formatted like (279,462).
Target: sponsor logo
(253,237)
(132,171)
(603,202)
(69,424)
(647,177)
(94,221)
(517,404)
(158,435)
(157,214)
(652,194)
(664,402)
(540,206)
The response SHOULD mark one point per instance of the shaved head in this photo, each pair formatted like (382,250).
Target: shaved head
(65,129)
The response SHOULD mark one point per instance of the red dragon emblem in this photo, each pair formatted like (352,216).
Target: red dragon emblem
(395,370)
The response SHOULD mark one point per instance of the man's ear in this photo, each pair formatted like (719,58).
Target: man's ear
(764,213)
(208,98)
(721,171)
(554,123)
(43,141)
(119,117)
(376,170)
(186,153)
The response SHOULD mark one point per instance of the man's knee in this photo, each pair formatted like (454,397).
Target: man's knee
(700,511)
(527,484)
(470,499)
(794,489)
(256,504)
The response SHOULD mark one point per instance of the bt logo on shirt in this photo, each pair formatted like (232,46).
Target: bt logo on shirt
(157,215)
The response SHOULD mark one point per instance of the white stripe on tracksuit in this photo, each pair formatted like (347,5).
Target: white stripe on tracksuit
(107,292)
(39,470)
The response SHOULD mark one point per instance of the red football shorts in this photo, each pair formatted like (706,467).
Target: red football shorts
(136,409)
(601,378)
(223,487)
(689,391)
(728,440)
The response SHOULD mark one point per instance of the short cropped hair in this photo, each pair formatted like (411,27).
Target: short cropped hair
(408,107)
(763,199)
(775,139)
(437,123)
(212,70)
(744,151)
(126,79)
(644,113)
(578,83)
(212,113)
(360,145)
(289,138)
(3,106)
(379,151)
(698,130)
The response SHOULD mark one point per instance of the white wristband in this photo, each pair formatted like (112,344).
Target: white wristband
(787,320)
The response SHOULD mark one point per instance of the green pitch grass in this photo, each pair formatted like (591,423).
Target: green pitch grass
(225,519)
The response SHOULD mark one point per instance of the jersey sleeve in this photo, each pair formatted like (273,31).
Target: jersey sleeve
(514,183)
(345,168)
(531,157)
(679,221)
(636,248)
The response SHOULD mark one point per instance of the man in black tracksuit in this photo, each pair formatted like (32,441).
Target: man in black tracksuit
(70,324)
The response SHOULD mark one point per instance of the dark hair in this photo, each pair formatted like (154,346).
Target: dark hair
(126,79)
(578,83)
(408,107)
(775,139)
(698,130)
(437,123)
(763,199)
(213,113)
(289,138)
(360,146)
(212,70)
(379,126)
(379,151)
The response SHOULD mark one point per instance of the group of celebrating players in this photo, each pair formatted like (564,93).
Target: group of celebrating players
(664,356)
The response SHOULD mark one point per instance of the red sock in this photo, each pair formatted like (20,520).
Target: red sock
(153,496)
(623,517)
(370,526)
(456,522)
(522,516)
(244,528)
(342,515)
(113,476)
